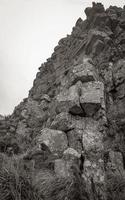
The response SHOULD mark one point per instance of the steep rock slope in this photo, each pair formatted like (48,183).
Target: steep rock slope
(75,111)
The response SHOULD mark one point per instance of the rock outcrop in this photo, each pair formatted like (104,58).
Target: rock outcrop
(76,107)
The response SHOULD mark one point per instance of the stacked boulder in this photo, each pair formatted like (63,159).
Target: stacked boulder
(74,135)
(74,117)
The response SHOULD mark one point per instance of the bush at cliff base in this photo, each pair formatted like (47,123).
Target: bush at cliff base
(15,183)
(115,186)
(18,184)
(51,187)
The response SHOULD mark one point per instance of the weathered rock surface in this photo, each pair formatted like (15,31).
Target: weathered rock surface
(77,108)
(63,167)
(66,122)
(92,140)
(56,140)
(95,37)
(68,100)
(83,72)
(92,97)
(92,137)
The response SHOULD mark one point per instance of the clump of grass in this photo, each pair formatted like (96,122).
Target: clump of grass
(15,183)
(116,186)
(51,187)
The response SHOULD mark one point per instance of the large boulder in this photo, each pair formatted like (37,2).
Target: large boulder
(68,100)
(56,140)
(92,97)
(92,137)
(63,122)
(64,167)
(83,72)
(66,122)
(93,36)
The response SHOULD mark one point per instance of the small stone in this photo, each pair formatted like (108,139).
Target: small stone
(24,114)
(46,98)
(72,152)
(87,163)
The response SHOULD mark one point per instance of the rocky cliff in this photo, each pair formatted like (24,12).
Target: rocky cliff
(74,117)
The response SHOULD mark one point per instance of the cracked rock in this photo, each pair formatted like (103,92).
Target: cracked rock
(66,122)
(68,100)
(92,97)
(83,72)
(63,167)
(56,140)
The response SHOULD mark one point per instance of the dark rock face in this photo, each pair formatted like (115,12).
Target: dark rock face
(76,107)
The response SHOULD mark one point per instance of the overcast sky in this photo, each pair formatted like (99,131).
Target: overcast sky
(30,29)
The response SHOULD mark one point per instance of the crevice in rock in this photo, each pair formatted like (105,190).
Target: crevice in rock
(114,93)
(81,115)
(123,157)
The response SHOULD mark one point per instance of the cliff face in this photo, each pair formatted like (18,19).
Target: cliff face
(76,107)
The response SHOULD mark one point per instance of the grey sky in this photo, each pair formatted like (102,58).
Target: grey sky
(30,29)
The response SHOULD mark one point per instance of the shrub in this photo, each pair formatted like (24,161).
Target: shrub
(51,187)
(116,187)
(15,183)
